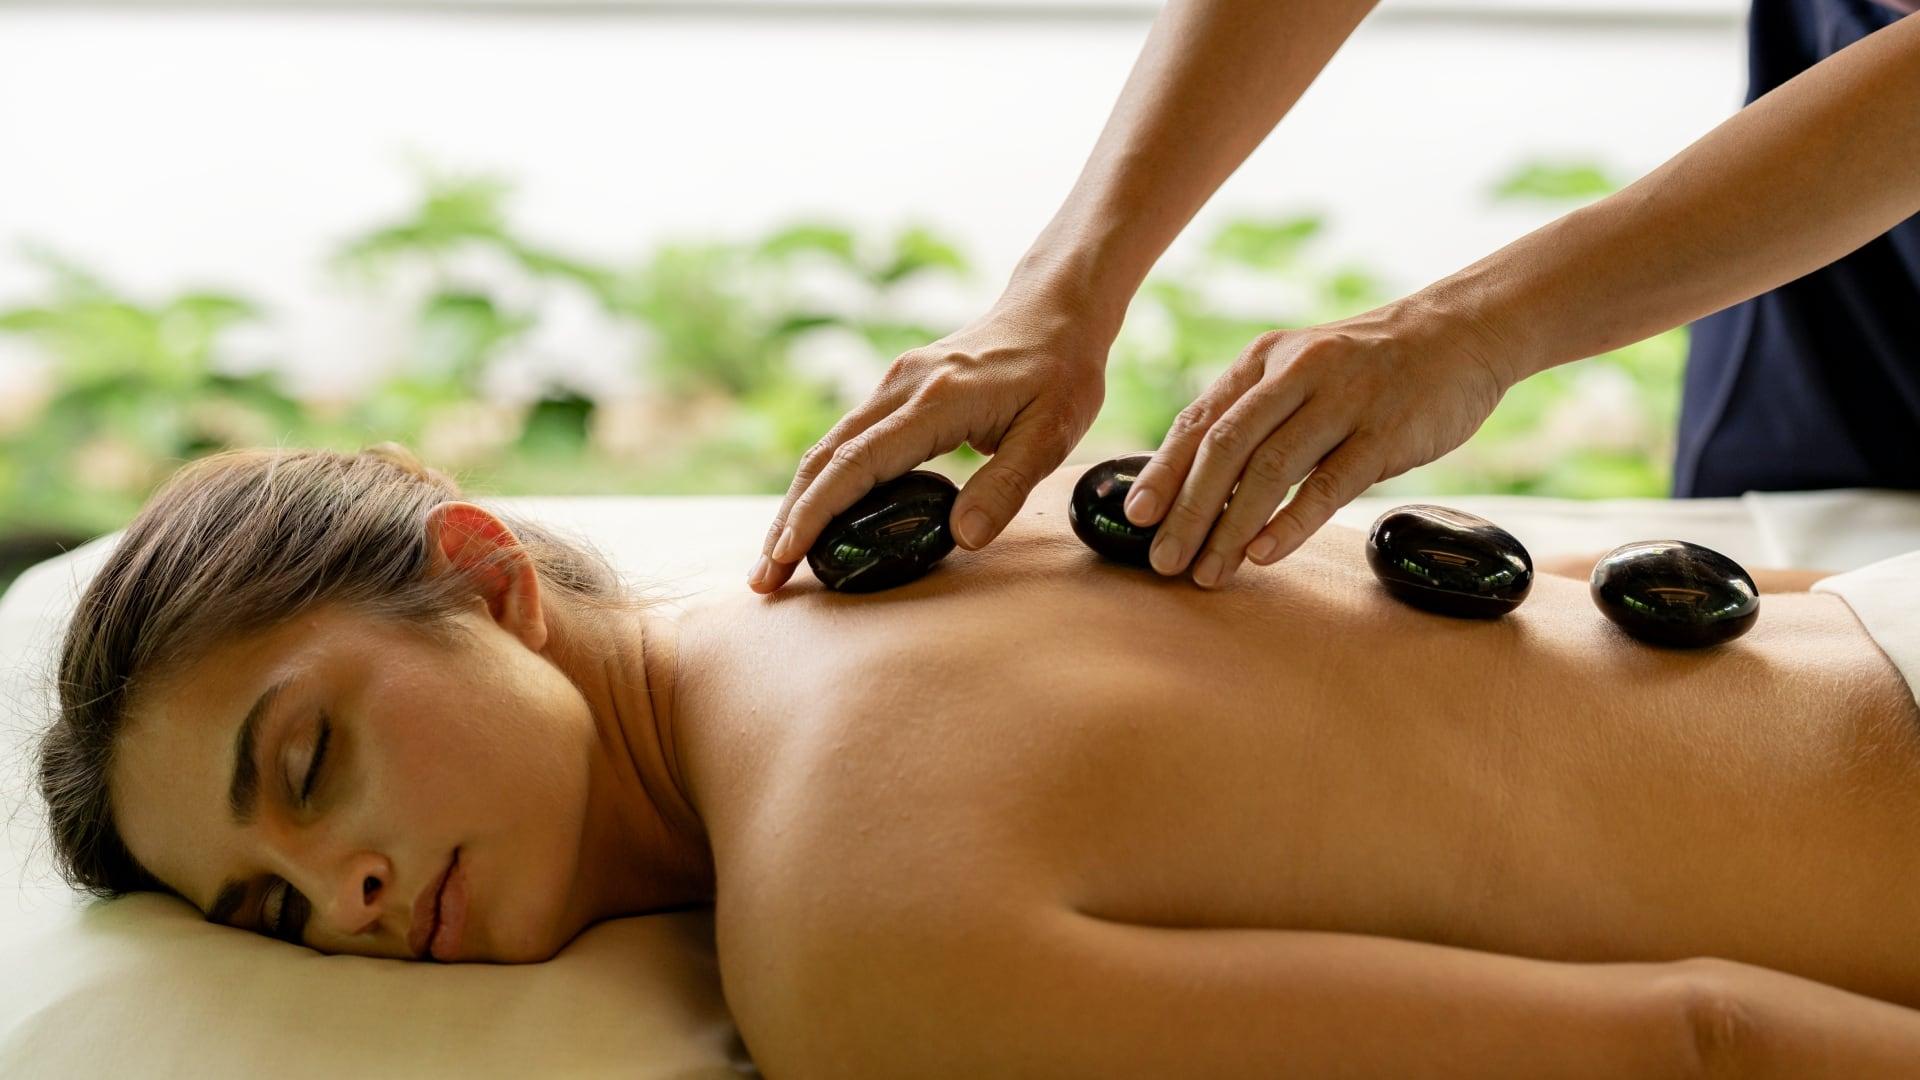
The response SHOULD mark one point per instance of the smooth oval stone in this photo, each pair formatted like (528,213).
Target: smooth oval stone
(1098,515)
(1676,594)
(1449,562)
(894,534)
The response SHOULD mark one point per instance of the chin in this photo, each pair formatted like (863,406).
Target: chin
(522,903)
(534,951)
(533,939)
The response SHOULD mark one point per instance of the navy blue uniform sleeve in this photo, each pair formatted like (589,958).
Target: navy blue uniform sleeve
(1815,384)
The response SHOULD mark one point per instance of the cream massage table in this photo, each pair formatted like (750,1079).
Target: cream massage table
(144,987)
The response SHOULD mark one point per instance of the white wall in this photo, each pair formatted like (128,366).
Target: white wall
(175,146)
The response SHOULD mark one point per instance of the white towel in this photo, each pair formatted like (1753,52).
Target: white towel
(1886,597)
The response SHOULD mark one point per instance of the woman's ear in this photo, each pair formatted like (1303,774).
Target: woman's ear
(466,538)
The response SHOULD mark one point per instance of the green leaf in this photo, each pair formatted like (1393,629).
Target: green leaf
(459,332)
(813,237)
(713,332)
(1264,245)
(538,262)
(800,322)
(1177,297)
(890,339)
(917,249)
(1351,290)
(1556,181)
(28,320)
(454,211)
(212,308)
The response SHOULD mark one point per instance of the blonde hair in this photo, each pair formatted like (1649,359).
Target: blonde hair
(243,540)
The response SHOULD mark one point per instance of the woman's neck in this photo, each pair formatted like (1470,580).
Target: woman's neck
(643,845)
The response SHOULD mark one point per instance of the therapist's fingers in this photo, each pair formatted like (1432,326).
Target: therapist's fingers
(1149,499)
(1346,405)
(1034,447)
(888,449)
(812,464)
(1222,444)
(1335,482)
(1281,461)
(1225,448)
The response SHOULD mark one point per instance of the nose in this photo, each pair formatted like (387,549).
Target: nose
(351,886)
(360,893)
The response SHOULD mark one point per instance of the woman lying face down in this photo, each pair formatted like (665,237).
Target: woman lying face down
(1032,813)
(272,712)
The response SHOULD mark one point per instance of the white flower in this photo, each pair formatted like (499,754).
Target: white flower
(574,343)
(840,355)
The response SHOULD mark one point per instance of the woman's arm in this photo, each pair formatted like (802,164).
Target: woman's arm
(1079,996)
(1212,80)
(1026,991)
(1801,177)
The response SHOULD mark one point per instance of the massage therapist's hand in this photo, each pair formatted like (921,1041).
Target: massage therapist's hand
(1333,408)
(1022,383)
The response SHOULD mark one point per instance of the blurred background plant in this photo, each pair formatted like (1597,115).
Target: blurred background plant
(733,357)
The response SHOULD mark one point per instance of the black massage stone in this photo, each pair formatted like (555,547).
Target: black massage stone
(1676,594)
(893,535)
(1098,514)
(1449,562)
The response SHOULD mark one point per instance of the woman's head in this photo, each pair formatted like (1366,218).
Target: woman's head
(270,611)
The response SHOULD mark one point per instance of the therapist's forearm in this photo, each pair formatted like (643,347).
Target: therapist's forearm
(1801,177)
(1213,79)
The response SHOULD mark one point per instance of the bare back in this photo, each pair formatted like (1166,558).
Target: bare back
(1299,751)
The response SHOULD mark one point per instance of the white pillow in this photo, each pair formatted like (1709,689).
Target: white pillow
(144,986)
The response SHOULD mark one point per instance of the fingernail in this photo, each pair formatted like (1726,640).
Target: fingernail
(1141,505)
(759,572)
(1208,570)
(786,539)
(973,527)
(1165,555)
(1263,547)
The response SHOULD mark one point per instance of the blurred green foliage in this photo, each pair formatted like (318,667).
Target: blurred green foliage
(134,392)
(1600,428)
(1180,335)
(723,401)
(1556,181)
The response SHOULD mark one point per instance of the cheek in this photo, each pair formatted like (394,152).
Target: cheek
(495,758)
(502,748)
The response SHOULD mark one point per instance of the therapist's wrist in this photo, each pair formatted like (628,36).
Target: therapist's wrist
(1065,314)
(1532,305)
(1468,314)
(1074,285)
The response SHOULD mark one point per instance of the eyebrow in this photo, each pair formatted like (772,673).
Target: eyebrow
(243,794)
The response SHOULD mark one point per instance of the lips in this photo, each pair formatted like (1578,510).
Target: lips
(426,909)
(450,918)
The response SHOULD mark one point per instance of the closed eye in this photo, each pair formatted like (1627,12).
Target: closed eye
(289,924)
(290,919)
(319,756)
